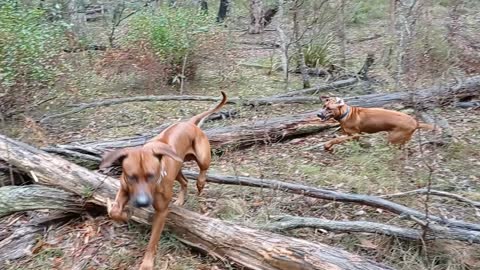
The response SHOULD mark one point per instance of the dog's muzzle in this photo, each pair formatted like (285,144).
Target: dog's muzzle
(142,200)
(324,115)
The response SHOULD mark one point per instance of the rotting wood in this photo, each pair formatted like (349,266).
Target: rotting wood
(433,232)
(251,248)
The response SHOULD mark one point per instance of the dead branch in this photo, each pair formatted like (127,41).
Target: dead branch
(250,248)
(434,192)
(359,40)
(468,104)
(332,195)
(320,88)
(434,232)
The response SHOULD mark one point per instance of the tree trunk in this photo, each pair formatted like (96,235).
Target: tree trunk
(341,32)
(256,17)
(298,45)
(247,247)
(223,10)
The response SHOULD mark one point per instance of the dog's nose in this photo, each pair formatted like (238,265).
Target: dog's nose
(321,116)
(142,201)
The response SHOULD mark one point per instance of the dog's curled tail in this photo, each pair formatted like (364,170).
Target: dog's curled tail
(428,127)
(199,118)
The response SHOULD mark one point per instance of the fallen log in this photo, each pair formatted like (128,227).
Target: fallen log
(332,195)
(320,88)
(468,87)
(423,97)
(33,197)
(242,135)
(247,247)
(433,231)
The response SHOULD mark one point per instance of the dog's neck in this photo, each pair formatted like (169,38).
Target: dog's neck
(343,115)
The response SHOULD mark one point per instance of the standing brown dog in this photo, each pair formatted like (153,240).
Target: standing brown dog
(149,171)
(357,120)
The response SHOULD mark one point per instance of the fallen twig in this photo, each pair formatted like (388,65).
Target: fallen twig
(433,192)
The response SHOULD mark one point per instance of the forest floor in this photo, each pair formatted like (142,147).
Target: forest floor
(369,166)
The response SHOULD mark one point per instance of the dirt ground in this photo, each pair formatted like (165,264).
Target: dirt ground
(369,166)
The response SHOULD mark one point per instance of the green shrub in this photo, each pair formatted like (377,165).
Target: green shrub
(171,34)
(364,11)
(319,53)
(28,47)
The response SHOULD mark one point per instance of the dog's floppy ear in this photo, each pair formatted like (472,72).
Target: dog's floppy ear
(160,149)
(111,157)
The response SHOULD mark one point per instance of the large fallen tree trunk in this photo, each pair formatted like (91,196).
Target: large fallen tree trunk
(243,135)
(250,248)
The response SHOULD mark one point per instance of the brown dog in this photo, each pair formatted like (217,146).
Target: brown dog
(150,171)
(357,120)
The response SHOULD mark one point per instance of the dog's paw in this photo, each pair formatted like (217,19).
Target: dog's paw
(146,265)
(179,202)
(114,211)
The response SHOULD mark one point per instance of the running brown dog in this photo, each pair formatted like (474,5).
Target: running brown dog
(357,120)
(149,172)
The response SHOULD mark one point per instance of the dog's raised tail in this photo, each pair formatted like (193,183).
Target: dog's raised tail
(428,127)
(200,118)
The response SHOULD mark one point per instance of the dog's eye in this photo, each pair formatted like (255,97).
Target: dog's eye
(150,177)
(132,178)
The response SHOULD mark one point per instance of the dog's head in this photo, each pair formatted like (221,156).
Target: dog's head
(141,169)
(332,108)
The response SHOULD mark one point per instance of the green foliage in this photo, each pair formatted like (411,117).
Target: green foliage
(29,45)
(318,53)
(172,34)
(366,10)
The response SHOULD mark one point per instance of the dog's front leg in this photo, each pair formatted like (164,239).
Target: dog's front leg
(161,212)
(115,209)
(328,145)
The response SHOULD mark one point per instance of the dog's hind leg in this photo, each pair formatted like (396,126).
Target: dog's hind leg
(183,189)
(203,158)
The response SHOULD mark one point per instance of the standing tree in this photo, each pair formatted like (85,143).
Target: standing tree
(256,17)
(223,10)
(297,37)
